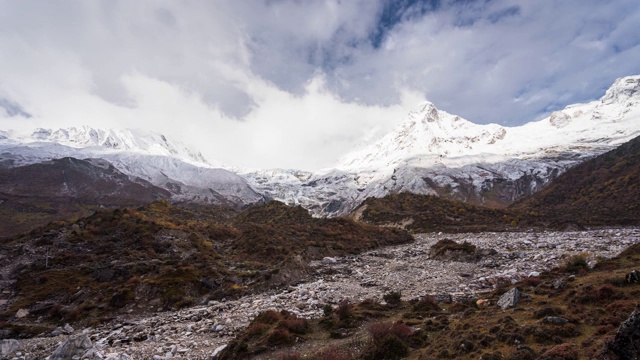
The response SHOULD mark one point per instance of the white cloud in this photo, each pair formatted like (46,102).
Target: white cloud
(298,83)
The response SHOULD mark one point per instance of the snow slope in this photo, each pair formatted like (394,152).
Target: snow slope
(171,165)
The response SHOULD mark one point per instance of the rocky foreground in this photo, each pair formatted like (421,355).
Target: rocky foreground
(196,332)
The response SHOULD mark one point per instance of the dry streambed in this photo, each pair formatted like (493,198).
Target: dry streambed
(196,332)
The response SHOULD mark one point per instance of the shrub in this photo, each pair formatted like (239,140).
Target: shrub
(268,317)
(426,304)
(327,309)
(379,330)
(606,291)
(390,348)
(531,281)
(564,351)
(257,328)
(280,336)
(344,310)
(296,326)
(575,263)
(392,297)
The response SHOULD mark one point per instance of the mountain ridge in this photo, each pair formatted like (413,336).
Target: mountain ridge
(487,165)
(431,153)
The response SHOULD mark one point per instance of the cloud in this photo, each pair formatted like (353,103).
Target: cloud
(283,83)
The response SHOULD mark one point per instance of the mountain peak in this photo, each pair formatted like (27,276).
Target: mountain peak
(623,89)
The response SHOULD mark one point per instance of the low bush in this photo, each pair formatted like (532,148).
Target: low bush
(575,263)
(392,297)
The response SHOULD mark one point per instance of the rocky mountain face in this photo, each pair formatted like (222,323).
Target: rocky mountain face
(436,153)
(152,157)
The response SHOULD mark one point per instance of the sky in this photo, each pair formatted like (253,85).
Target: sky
(299,83)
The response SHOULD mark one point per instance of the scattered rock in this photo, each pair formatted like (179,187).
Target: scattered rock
(406,267)
(22,313)
(509,299)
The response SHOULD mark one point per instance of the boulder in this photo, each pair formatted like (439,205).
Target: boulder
(626,344)
(214,354)
(555,320)
(22,313)
(509,299)
(8,347)
(633,277)
(329,260)
(75,346)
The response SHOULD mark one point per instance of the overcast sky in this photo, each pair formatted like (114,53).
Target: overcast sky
(297,84)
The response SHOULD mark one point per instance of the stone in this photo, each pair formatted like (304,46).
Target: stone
(8,347)
(75,346)
(92,353)
(22,313)
(633,277)
(627,341)
(217,351)
(329,260)
(555,320)
(68,329)
(559,284)
(509,299)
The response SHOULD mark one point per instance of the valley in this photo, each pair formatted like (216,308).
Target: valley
(195,332)
(123,244)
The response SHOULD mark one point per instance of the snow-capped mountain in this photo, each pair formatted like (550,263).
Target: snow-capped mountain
(434,152)
(432,137)
(431,152)
(103,141)
(168,164)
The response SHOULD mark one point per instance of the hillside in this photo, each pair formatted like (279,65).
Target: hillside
(160,257)
(429,213)
(603,191)
(66,188)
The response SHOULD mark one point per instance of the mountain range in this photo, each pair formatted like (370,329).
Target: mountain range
(431,152)
(436,153)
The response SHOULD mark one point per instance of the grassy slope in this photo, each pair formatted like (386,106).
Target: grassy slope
(603,191)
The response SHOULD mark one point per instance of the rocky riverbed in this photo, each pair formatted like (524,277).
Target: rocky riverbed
(196,332)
